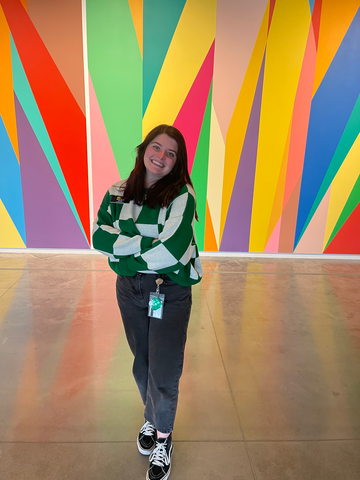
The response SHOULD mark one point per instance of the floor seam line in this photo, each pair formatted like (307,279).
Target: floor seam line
(204,271)
(4,442)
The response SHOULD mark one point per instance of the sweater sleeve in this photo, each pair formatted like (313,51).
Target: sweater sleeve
(109,239)
(175,246)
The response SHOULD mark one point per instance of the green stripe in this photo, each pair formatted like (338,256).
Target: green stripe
(115,67)
(199,173)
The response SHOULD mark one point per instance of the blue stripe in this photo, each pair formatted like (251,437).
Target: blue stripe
(10,182)
(331,109)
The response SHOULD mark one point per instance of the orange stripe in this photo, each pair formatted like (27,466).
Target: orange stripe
(7,106)
(300,120)
(336,18)
(210,239)
(136,8)
(55,20)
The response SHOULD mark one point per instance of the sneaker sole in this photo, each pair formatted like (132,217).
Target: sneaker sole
(142,451)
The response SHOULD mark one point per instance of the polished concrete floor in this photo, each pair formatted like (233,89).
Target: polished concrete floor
(271,383)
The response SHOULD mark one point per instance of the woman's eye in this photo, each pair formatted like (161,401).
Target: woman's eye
(156,147)
(171,154)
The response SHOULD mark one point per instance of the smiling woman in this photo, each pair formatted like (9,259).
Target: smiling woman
(158,146)
(159,158)
(145,226)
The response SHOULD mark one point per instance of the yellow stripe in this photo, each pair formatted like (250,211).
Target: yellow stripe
(9,236)
(285,51)
(191,42)
(277,207)
(237,129)
(341,187)
(7,106)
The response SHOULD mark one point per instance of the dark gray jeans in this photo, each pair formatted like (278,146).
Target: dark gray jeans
(157,344)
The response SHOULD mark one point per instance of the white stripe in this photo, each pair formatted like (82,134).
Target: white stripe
(109,229)
(198,266)
(187,255)
(126,245)
(110,255)
(130,210)
(162,216)
(159,257)
(148,230)
(87,113)
(176,217)
(115,189)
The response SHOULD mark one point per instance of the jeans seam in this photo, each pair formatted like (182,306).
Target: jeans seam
(178,375)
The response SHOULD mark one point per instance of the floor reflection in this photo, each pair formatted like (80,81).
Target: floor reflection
(273,355)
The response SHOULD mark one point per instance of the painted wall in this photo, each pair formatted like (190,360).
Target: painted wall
(266,94)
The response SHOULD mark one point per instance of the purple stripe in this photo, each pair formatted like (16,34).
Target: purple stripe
(238,221)
(49,221)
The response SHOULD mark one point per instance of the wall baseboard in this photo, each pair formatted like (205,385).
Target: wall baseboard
(292,256)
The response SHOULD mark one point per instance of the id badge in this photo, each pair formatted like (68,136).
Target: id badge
(156,301)
(116,199)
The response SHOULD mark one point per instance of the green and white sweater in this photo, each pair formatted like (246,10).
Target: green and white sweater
(125,233)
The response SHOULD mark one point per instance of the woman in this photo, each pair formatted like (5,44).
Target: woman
(145,226)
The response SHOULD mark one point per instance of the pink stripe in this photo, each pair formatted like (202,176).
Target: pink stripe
(313,238)
(104,168)
(190,117)
(273,244)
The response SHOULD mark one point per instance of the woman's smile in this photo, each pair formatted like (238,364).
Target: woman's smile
(159,158)
(156,162)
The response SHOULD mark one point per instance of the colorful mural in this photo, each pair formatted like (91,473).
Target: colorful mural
(44,177)
(266,94)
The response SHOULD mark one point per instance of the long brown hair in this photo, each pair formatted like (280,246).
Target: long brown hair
(167,188)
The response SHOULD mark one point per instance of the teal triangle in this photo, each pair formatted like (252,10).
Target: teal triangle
(160,21)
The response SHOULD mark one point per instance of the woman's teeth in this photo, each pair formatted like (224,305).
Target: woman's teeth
(157,163)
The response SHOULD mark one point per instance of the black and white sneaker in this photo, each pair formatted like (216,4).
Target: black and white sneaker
(146,439)
(160,460)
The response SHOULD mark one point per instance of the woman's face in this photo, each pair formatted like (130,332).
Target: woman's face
(159,158)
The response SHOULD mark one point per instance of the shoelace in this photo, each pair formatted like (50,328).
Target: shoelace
(159,456)
(147,429)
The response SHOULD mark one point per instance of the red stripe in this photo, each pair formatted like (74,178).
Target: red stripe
(347,240)
(316,14)
(63,118)
(271,11)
